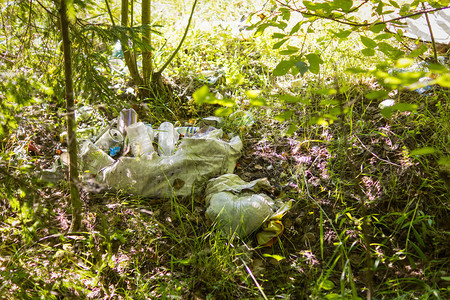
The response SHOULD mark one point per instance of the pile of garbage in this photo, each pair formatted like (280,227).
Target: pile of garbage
(170,161)
(135,157)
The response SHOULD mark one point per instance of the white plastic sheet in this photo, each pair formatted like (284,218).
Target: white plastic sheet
(418,28)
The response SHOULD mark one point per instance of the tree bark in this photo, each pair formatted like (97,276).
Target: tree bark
(130,59)
(147,66)
(71,122)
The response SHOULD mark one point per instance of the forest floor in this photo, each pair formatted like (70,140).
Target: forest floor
(132,247)
(368,214)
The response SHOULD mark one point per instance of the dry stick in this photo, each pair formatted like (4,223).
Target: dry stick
(364,146)
(254,280)
(431,34)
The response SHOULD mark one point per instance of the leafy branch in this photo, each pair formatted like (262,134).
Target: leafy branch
(304,11)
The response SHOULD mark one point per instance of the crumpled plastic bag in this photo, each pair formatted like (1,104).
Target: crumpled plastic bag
(273,228)
(197,159)
(235,205)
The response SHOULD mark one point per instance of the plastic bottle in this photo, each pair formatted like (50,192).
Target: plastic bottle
(125,119)
(110,139)
(139,139)
(167,138)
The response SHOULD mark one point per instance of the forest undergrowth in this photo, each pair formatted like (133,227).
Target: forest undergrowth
(142,248)
(370,193)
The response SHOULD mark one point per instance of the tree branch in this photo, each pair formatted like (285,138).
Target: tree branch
(354,24)
(181,42)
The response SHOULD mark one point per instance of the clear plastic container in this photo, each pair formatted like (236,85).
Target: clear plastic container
(125,119)
(111,138)
(167,139)
(139,139)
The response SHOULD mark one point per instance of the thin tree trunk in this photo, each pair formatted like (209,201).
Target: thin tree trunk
(147,66)
(130,60)
(71,123)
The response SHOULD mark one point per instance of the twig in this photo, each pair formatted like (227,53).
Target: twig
(431,34)
(254,280)
(110,13)
(181,42)
(387,161)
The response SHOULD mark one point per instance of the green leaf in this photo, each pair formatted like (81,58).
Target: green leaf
(319,121)
(327,285)
(252,94)
(444,80)
(423,151)
(274,256)
(377,28)
(379,8)
(342,34)
(260,30)
(444,161)
(292,99)
(281,25)
(333,296)
(284,116)
(376,95)
(437,68)
(258,102)
(418,236)
(277,45)
(405,9)
(344,5)
(383,36)
(394,4)
(302,67)
(387,112)
(223,111)
(296,28)
(278,35)
(283,67)
(326,92)
(390,51)
(368,52)
(419,251)
(289,50)
(291,129)
(314,62)
(419,51)
(202,95)
(404,62)
(309,5)
(286,13)
(355,70)
(369,43)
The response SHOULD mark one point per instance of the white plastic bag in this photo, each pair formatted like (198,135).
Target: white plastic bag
(235,205)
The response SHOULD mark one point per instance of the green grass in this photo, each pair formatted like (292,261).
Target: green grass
(353,177)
